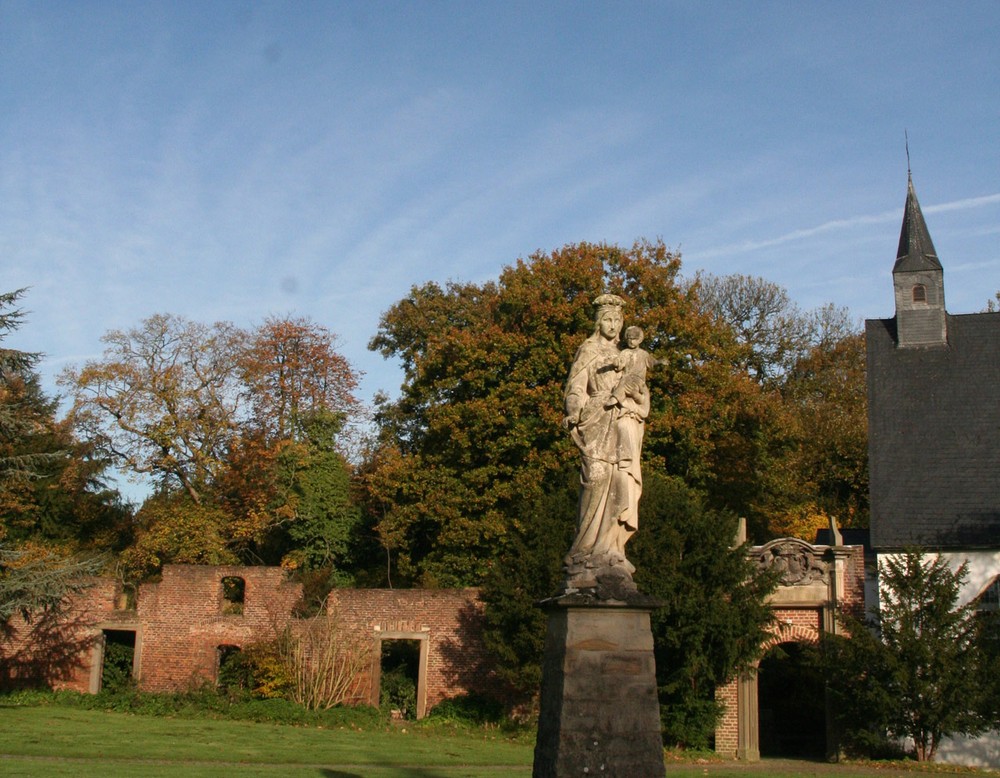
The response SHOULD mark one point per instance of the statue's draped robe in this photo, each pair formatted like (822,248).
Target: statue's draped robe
(610,441)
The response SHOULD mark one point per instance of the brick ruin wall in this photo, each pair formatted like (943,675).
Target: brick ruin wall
(450,620)
(55,649)
(181,622)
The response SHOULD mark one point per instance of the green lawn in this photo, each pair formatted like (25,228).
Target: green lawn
(52,740)
(56,741)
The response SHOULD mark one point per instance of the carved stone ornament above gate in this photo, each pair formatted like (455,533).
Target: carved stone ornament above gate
(799,563)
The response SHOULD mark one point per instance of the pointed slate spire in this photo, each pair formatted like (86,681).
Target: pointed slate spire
(918,281)
(916,249)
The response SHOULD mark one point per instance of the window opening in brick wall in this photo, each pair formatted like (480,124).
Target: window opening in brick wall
(400,677)
(233,594)
(791,701)
(118,659)
(233,674)
(919,293)
(126,598)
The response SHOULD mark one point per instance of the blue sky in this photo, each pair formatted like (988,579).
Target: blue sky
(233,160)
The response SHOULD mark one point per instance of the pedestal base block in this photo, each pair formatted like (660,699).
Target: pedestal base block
(599,711)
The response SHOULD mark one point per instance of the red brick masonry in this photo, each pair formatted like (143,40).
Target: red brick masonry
(181,621)
(796,619)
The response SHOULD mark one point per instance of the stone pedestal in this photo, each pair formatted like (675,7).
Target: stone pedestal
(599,711)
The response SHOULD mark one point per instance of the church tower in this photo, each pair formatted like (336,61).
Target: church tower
(918,280)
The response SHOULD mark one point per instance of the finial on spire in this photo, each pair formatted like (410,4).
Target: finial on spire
(906,138)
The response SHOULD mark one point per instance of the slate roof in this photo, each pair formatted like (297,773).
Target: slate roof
(852,536)
(934,437)
(916,249)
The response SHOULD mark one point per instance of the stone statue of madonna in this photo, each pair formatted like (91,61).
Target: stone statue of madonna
(606,407)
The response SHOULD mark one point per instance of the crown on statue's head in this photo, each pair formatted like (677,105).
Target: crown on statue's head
(606,300)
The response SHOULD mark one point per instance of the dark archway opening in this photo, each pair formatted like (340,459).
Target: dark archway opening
(792,702)
(119,659)
(400,673)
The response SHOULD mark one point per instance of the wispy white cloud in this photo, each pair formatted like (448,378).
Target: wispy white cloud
(217,164)
(841,225)
(963,205)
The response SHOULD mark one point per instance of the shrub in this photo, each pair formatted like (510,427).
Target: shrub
(399,693)
(203,703)
(918,672)
(469,709)
(691,724)
(265,668)
(116,675)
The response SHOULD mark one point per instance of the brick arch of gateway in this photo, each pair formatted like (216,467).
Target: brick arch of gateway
(817,582)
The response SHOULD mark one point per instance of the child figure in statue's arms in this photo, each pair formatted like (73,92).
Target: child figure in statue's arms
(633,362)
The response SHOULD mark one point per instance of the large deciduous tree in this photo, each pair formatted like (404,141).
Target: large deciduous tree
(476,430)
(163,400)
(811,366)
(772,332)
(292,501)
(475,481)
(824,470)
(242,429)
(170,397)
(326,517)
(291,371)
(172,528)
(288,479)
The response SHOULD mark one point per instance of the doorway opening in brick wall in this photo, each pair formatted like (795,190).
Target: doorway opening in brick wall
(232,674)
(402,683)
(118,659)
(792,700)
